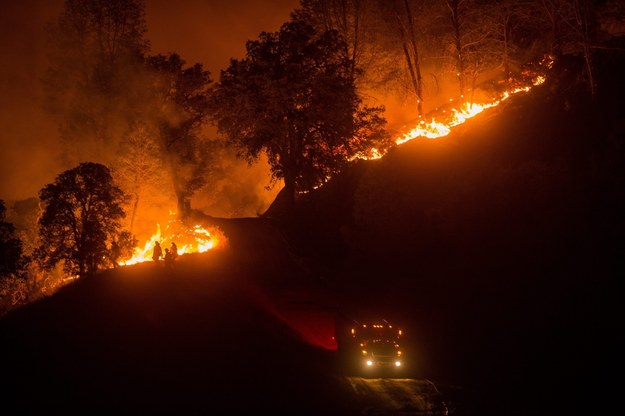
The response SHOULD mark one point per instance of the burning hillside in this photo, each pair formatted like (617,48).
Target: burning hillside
(197,239)
(441,122)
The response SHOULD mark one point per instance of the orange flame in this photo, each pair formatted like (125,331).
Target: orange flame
(196,239)
(435,129)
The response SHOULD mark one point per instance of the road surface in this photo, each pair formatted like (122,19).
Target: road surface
(398,396)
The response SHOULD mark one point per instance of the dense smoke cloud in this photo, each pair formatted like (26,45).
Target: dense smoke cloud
(199,31)
(28,138)
(240,190)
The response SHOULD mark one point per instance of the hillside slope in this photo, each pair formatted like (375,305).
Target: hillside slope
(501,244)
(139,340)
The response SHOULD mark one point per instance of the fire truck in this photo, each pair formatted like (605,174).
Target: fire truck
(371,346)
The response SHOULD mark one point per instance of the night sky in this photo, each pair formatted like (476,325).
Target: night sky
(205,31)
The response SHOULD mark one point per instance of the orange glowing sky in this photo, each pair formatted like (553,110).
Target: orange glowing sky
(205,31)
(211,32)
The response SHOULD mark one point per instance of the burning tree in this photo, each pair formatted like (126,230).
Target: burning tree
(82,213)
(293,97)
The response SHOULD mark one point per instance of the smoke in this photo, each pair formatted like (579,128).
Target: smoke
(199,31)
(211,33)
(28,139)
(240,190)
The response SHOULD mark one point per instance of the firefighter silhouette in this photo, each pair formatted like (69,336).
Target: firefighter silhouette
(158,252)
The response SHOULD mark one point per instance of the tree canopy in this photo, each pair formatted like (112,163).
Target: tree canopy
(80,220)
(105,89)
(180,95)
(293,97)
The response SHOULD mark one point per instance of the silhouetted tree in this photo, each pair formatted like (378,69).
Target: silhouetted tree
(12,259)
(554,17)
(402,29)
(293,97)
(358,22)
(573,27)
(505,19)
(122,247)
(584,26)
(344,16)
(32,282)
(181,95)
(82,213)
(406,27)
(466,35)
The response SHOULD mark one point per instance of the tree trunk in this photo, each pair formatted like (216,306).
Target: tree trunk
(506,58)
(415,51)
(182,196)
(134,212)
(554,13)
(454,11)
(583,21)
(409,62)
(184,204)
(289,188)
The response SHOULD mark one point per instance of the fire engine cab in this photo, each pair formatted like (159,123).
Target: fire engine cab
(373,345)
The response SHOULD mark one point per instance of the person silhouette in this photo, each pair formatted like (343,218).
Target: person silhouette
(169,260)
(158,252)
(173,248)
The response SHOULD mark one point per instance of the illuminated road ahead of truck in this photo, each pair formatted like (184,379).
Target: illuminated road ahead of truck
(385,396)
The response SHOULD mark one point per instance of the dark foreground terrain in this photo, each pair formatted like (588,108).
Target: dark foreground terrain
(137,340)
(221,335)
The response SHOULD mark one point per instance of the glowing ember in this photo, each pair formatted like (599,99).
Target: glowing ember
(435,129)
(196,239)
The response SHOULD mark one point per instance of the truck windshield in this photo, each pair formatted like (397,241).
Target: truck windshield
(380,332)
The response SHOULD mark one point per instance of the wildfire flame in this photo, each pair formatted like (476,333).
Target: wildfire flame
(196,239)
(435,129)
(202,240)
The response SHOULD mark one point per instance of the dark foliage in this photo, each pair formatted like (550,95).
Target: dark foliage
(82,213)
(293,97)
(181,98)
